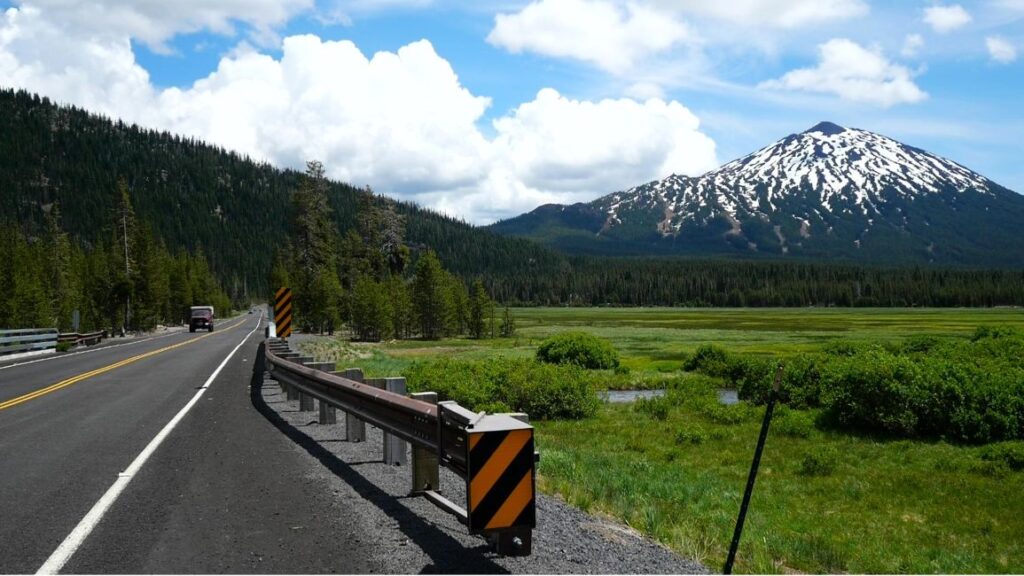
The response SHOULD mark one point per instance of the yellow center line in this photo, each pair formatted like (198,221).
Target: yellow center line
(75,379)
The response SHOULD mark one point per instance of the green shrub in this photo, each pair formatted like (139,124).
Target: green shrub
(691,435)
(727,414)
(709,359)
(957,389)
(657,407)
(793,423)
(983,332)
(819,461)
(1011,454)
(579,348)
(63,346)
(543,391)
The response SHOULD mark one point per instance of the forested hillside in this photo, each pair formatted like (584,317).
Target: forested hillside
(198,199)
(195,195)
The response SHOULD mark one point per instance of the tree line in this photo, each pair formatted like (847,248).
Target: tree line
(368,279)
(127,280)
(590,281)
(201,199)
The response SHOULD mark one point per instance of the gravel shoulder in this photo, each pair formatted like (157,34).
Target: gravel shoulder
(415,536)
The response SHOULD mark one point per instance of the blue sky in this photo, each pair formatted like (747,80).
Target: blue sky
(487,109)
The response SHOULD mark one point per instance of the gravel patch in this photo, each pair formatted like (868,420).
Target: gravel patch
(415,536)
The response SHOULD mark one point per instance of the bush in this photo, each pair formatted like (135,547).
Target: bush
(657,407)
(579,348)
(1010,454)
(819,461)
(63,346)
(957,389)
(727,414)
(793,423)
(691,435)
(504,384)
(709,359)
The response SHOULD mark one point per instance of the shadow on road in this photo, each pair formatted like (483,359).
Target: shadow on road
(447,554)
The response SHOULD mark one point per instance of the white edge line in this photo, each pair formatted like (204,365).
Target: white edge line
(77,536)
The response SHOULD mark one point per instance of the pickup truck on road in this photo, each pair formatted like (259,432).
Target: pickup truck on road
(201,317)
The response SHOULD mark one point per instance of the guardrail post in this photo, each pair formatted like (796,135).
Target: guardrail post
(394,448)
(327,414)
(293,393)
(289,355)
(355,429)
(425,469)
(305,400)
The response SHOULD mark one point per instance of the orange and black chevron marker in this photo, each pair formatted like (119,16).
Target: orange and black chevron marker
(501,483)
(283,312)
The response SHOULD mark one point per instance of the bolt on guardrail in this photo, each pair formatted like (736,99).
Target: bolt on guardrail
(493,453)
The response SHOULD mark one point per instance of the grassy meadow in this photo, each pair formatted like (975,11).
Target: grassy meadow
(825,501)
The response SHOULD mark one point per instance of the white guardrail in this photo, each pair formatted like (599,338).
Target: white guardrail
(27,341)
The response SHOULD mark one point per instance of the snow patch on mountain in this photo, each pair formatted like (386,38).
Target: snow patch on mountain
(828,168)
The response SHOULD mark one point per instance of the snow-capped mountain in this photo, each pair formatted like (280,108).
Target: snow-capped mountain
(828,192)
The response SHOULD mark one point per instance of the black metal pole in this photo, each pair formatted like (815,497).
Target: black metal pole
(753,471)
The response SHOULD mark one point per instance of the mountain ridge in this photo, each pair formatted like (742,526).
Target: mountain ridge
(829,192)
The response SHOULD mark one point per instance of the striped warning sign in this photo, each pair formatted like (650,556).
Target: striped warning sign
(283,312)
(501,483)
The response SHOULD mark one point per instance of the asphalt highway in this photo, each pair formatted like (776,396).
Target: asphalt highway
(177,454)
(213,491)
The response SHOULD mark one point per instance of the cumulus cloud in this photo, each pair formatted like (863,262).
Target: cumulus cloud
(944,19)
(600,32)
(1000,49)
(853,73)
(775,13)
(154,23)
(912,45)
(399,121)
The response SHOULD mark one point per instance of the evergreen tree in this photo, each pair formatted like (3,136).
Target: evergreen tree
(371,310)
(430,297)
(122,254)
(479,305)
(402,324)
(316,293)
(65,289)
(508,324)
(457,321)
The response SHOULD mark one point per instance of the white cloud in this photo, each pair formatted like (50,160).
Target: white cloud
(599,32)
(154,22)
(557,143)
(853,73)
(912,45)
(774,13)
(944,19)
(400,121)
(1000,49)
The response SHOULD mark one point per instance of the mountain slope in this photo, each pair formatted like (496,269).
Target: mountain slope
(827,193)
(196,195)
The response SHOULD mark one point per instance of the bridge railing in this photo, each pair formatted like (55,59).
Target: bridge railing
(493,453)
(28,340)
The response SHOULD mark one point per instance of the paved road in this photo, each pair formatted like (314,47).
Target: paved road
(171,455)
(217,488)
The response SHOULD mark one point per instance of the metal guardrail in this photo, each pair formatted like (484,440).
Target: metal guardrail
(27,340)
(76,338)
(493,453)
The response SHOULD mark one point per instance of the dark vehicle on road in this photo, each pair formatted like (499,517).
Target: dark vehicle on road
(201,317)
